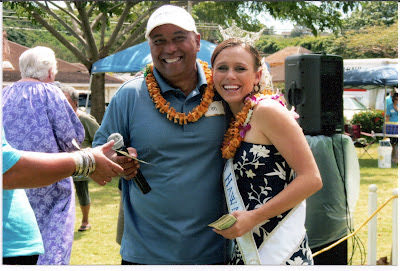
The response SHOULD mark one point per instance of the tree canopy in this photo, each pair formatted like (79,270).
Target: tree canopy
(92,30)
(369,13)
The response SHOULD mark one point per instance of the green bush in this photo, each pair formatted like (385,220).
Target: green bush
(371,120)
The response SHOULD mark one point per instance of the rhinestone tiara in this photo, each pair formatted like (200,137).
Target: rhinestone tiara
(235,32)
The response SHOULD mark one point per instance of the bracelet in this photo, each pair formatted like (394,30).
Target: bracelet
(93,161)
(85,163)
(85,166)
(77,159)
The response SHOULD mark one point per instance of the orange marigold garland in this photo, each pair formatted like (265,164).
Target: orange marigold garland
(164,107)
(240,124)
(232,138)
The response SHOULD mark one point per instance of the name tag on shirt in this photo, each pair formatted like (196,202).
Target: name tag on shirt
(216,108)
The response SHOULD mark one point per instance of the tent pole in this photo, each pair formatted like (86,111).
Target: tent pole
(90,92)
(384,115)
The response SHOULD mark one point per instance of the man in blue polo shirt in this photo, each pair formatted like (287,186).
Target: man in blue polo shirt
(176,123)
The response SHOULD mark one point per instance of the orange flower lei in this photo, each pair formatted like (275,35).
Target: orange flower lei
(232,138)
(164,107)
(238,126)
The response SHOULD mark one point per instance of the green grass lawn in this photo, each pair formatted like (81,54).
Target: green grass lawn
(386,179)
(98,246)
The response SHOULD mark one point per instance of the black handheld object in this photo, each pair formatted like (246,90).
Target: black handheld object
(140,180)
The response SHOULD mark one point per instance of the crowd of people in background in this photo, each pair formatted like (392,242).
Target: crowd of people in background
(37,118)
(39,158)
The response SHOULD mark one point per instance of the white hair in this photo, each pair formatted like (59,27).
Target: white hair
(73,93)
(36,62)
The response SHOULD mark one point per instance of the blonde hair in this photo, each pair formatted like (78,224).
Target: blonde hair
(36,62)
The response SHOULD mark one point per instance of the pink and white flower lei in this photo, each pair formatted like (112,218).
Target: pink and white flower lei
(255,99)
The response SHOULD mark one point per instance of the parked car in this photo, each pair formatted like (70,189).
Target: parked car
(351,106)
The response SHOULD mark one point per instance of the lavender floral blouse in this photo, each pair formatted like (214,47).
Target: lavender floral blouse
(37,117)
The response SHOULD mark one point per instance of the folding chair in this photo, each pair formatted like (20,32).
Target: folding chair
(354,131)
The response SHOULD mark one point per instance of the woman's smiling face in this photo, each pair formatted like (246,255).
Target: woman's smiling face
(234,75)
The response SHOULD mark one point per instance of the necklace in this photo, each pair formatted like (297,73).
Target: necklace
(232,138)
(164,107)
(240,124)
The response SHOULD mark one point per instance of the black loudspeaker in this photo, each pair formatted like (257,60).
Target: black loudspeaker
(314,86)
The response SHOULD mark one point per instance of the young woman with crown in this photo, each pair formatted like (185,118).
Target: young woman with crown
(270,169)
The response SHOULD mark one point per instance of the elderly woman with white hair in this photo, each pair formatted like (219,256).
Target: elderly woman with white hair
(37,117)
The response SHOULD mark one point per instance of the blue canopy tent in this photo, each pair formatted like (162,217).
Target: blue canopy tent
(375,77)
(135,58)
(372,76)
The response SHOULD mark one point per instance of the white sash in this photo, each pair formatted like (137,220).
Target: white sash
(281,243)
(285,239)
(234,201)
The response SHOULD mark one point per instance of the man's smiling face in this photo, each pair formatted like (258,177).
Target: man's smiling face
(174,51)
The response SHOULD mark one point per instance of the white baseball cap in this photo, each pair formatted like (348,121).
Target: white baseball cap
(169,14)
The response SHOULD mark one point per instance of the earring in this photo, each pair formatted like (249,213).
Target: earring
(256,88)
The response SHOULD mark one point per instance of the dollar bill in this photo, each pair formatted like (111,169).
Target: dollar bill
(134,158)
(223,222)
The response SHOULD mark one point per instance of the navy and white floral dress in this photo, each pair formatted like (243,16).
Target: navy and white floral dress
(261,173)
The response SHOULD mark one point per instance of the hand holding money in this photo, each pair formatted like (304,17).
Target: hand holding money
(223,222)
(236,224)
